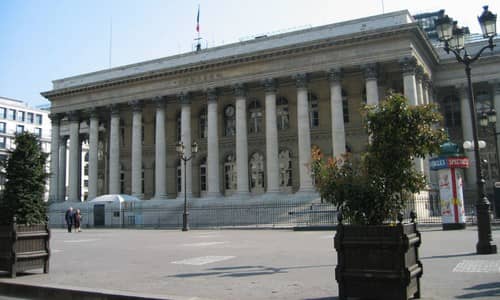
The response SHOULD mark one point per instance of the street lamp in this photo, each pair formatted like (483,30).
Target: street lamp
(180,148)
(454,41)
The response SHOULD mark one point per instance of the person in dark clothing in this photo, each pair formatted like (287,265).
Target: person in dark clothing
(69,218)
(78,219)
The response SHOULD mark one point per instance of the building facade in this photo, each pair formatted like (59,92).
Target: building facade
(17,117)
(255,108)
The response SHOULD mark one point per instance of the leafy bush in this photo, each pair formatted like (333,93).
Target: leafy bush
(25,182)
(374,188)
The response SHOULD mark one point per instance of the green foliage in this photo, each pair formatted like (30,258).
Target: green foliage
(373,189)
(25,182)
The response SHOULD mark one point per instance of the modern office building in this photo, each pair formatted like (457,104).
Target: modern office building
(17,117)
(255,109)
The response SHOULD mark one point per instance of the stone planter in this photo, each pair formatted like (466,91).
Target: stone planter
(378,262)
(24,247)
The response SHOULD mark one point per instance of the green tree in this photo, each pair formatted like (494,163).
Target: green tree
(25,182)
(373,189)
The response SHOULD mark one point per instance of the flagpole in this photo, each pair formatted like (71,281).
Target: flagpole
(198,45)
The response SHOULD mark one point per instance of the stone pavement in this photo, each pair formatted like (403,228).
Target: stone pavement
(236,264)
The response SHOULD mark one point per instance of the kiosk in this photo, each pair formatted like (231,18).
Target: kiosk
(449,165)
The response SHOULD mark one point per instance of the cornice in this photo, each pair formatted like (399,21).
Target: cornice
(235,60)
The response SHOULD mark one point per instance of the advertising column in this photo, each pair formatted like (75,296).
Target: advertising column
(450,176)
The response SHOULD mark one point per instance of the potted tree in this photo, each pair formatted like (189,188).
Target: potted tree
(24,232)
(377,255)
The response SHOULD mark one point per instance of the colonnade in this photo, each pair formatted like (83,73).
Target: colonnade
(416,89)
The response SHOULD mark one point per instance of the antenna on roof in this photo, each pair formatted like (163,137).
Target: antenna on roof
(383,9)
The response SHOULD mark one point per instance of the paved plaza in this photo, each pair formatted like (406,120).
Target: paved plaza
(244,264)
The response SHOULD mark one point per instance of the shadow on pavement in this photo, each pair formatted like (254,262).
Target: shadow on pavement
(245,271)
(448,256)
(323,298)
(491,289)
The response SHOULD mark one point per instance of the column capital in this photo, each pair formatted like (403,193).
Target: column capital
(74,116)
(136,105)
(159,101)
(419,72)
(301,80)
(270,85)
(496,87)
(335,75)
(370,71)
(408,65)
(114,109)
(93,113)
(239,90)
(63,139)
(55,118)
(427,81)
(211,94)
(184,98)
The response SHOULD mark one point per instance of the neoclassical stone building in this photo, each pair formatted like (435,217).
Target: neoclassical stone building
(255,108)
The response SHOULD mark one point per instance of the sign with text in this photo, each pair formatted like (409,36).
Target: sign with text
(440,163)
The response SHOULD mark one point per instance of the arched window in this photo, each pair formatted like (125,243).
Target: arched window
(285,161)
(282,113)
(229,121)
(255,117)
(203,175)
(257,173)
(203,128)
(229,174)
(179,176)
(122,132)
(179,126)
(450,108)
(313,110)
(345,106)
(122,179)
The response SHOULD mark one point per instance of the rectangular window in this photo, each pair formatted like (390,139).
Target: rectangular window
(11,114)
(2,127)
(3,112)
(19,129)
(86,183)
(345,110)
(38,119)
(20,116)
(203,178)
(2,142)
(38,132)
(29,118)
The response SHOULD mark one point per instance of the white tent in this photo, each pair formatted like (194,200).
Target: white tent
(115,210)
(115,198)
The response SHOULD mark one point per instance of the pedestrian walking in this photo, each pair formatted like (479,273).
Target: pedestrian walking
(78,219)
(69,218)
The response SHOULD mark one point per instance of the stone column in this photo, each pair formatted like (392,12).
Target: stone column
(62,168)
(371,85)
(212,145)
(114,151)
(427,86)
(419,76)
(337,113)
(470,173)
(74,146)
(93,159)
(304,134)
(160,151)
(241,140)
(187,141)
(408,67)
(136,148)
(272,159)
(54,158)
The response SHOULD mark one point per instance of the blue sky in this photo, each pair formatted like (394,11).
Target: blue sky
(44,40)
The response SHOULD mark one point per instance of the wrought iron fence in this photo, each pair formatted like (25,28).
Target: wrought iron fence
(270,215)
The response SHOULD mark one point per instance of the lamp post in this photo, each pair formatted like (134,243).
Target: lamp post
(453,38)
(180,148)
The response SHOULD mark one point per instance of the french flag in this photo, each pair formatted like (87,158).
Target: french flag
(198,20)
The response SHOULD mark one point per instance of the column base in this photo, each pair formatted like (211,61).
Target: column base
(159,197)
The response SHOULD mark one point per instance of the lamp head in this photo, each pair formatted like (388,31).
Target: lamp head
(488,22)
(444,28)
